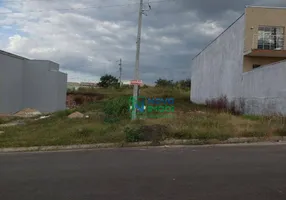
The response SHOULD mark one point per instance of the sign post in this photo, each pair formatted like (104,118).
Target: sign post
(136,84)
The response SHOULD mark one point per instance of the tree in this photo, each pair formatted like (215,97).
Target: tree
(164,83)
(185,84)
(108,81)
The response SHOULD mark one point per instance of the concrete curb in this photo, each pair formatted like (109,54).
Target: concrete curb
(174,143)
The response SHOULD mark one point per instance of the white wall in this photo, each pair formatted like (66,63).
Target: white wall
(11,83)
(264,89)
(217,70)
(45,88)
(30,84)
(62,90)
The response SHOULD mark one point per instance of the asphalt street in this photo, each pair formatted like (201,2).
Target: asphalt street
(203,173)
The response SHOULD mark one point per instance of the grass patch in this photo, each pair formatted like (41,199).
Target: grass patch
(252,117)
(281,132)
(254,134)
(109,121)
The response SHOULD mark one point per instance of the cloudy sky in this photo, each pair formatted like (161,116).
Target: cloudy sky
(87,37)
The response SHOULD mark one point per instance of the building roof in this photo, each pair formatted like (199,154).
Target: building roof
(13,55)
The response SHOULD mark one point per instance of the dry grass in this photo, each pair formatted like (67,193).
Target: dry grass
(190,122)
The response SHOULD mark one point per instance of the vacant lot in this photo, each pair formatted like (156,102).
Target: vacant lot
(109,121)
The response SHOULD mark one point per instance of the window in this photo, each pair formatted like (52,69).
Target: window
(255,66)
(271,38)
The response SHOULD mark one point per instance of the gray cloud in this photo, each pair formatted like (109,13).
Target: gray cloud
(88,42)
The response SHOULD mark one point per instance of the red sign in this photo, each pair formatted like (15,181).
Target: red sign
(136,82)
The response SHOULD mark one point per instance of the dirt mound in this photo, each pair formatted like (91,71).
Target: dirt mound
(27,112)
(76,115)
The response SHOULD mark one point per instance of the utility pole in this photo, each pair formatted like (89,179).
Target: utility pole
(120,72)
(136,73)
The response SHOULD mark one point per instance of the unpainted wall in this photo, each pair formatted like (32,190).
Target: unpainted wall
(45,88)
(217,70)
(264,89)
(30,84)
(11,83)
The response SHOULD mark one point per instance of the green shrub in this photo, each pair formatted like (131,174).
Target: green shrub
(84,132)
(281,132)
(211,135)
(132,134)
(254,134)
(252,117)
(154,133)
(116,109)
(63,113)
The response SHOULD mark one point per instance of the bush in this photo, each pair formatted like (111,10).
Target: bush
(79,100)
(132,134)
(211,135)
(220,104)
(154,133)
(63,113)
(254,134)
(84,132)
(252,117)
(281,132)
(223,105)
(116,109)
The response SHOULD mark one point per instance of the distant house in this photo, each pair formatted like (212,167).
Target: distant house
(88,84)
(126,82)
(246,62)
(73,85)
(25,83)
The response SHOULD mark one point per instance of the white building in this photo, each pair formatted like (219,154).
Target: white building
(246,62)
(28,83)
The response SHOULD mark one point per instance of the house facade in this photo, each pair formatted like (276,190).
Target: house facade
(25,83)
(247,61)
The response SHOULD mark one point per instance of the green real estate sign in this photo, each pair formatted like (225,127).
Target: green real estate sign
(153,107)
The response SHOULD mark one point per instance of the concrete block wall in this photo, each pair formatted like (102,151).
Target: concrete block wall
(264,89)
(217,70)
(44,87)
(31,84)
(11,83)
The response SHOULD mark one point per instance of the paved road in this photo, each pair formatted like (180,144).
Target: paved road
(220,173)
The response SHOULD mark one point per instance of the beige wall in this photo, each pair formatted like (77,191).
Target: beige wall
(250,61)
(255,17)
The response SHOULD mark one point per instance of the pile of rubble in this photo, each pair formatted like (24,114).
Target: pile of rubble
(27,112)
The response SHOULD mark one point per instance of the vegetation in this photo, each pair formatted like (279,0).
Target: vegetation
(108,81)
(183,84)
(116,109)
(108,120)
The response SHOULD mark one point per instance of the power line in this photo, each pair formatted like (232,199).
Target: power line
(4,1)
(88,7)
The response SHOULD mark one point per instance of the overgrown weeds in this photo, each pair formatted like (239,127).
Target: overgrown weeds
(217,121)
(116,109)
(222,104)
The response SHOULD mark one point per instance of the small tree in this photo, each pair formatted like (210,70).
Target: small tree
(184,84)
(164,83)
(108,81)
